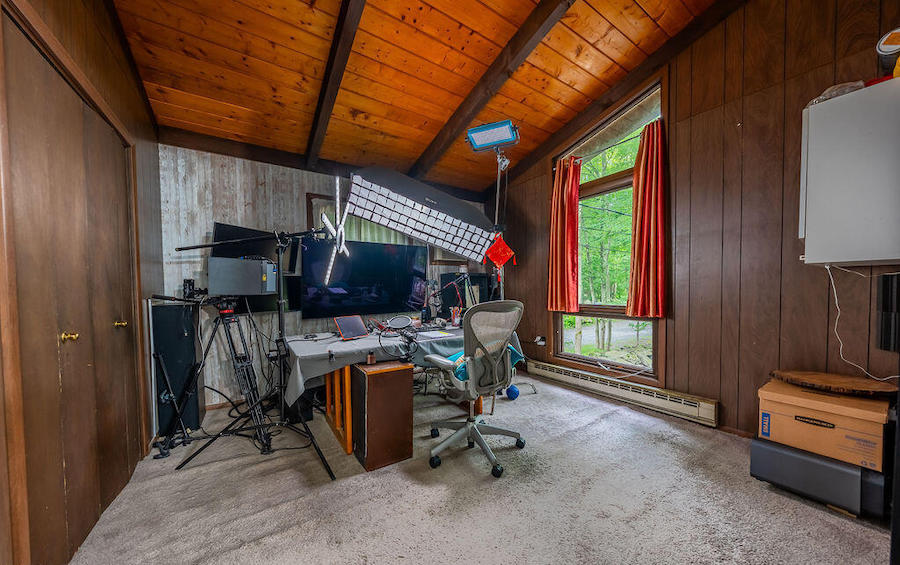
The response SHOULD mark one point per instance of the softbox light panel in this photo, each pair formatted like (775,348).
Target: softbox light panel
(420,211)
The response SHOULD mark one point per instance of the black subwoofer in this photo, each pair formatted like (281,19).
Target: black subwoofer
(889,312)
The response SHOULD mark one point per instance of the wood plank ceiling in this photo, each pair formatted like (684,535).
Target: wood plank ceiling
(252,71)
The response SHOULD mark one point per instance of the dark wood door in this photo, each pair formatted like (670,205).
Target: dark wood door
(110,294)
(71,209)
(33,92)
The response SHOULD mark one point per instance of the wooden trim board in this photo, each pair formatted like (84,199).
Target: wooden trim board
(202,142)
(14,513)
(29,19)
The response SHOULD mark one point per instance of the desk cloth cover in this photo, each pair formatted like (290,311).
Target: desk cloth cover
(312,359)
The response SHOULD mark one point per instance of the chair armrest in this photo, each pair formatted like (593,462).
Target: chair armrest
(441,362)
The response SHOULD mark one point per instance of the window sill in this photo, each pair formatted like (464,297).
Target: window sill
(584,364)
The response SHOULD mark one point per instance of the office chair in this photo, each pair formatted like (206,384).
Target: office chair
(484,369)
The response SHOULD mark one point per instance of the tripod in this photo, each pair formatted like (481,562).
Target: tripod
(246,379)
(243,367)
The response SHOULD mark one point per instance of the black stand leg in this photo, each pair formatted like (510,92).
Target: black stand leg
(227,430)
(308,434)
(171,440)
(246,378)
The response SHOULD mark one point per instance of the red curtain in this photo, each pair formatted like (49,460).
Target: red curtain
(647,288)
(562,295)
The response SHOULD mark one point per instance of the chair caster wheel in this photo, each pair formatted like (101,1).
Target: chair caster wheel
(497,470)
(435,432)
(435,462)
(471,444)
(520,443)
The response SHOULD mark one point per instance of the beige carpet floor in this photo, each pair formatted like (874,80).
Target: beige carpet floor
(598,482)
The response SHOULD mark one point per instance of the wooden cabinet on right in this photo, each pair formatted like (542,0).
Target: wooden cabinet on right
(382,413)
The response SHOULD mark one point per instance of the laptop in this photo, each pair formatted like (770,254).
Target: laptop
(351,327)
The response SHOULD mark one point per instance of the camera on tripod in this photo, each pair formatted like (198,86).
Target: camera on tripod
(242,276)
(240,267)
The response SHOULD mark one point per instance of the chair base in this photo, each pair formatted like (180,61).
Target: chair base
(473,430)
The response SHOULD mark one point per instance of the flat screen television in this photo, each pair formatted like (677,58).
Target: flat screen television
(377,278)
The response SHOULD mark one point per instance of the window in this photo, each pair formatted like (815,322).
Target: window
(604,240)
(600,333)
(621,342)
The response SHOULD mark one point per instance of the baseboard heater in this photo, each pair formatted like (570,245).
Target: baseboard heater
(701,410)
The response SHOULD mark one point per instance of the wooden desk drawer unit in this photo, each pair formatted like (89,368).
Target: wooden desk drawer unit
(381,396)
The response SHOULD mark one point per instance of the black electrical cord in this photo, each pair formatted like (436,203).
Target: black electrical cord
(406,349)
(234,406)
(266,370)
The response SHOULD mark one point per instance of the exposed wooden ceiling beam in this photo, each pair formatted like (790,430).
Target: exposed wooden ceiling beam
(709,19)
(221,146)
(341,44)
(542,18)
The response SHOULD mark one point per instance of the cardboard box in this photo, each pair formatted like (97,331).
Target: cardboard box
(847,428)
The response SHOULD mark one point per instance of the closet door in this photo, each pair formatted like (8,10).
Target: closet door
(50,228)
(71,215)
(112,323)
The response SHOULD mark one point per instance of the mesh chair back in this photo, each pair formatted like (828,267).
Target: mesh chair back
(488,328)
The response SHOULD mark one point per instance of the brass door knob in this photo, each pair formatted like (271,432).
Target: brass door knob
(120,324)
(66,336)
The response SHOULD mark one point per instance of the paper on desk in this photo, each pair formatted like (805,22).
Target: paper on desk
(434,334)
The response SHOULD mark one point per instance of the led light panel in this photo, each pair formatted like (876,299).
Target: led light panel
(488,136)
(384,207)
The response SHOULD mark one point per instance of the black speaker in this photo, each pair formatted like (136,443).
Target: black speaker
(175,343)
(889,312)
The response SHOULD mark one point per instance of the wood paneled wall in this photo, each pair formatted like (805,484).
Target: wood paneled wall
(742,302)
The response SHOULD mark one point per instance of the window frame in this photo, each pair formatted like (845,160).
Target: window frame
(652,376)
(647,375)
(610,183)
